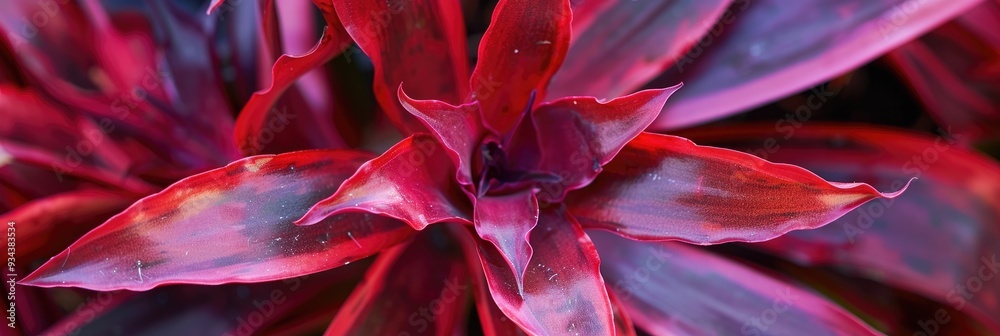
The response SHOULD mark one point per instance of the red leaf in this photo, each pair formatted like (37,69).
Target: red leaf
(214,5)
(232,224)
(458,128)
(493,321)
(771,48)
(61,217)
(507,221)
(562,291)
(420,43)
(398,297)
(200,96)
(176,310)
(672,288)
(663,187)
(521,50)
(623,322)
(619,45)
(955,71)
(590,133)
(258,117)
(412,181)
(929,240)
(70,145)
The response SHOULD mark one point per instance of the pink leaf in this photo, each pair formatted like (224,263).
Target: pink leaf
(521,50)
(413,181)
(562,289)
(579,135)
(419,43)
(771,48)
(619,45)
(663,187)
(395,299)
(940,234)
(231,224)
(676,289)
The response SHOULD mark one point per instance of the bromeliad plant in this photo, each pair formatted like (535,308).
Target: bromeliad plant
(509,166)
(495,188)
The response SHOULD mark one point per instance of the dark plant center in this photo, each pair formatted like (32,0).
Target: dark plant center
(498,176)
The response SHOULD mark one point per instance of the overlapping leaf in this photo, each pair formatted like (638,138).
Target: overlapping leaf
(619,45)
(670,288)
(663,187)
(935,239)
(232,224)
(771,48)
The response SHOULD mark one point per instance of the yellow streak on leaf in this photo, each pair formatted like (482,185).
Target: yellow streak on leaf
(196,203)
(254,165)
(5,157)
(841,199)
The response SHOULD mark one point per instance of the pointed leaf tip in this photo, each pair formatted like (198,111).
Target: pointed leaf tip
(663,187)
(231,224)
(412,182)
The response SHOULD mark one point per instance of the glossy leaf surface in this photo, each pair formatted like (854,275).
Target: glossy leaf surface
(521,50)
(937,239)
(232,224)
(562,290)
(663,187)
(769,49)
(419,44)
(413,181)
(672,288)
(619,45)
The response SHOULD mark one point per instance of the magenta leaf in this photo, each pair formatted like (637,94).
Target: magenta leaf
(589,133)
(393,301)
(663,187)
(623,322)
(938,237)
(59,219)
(492,319)
(231,224)
(175,309)
(200,102)
(955,71)
(619,45)
(70,146)
(769,49)
(418,43)
(562,290)
(506,221)
(520,52)
(413,181)
(458,128)
(673,288)
(259,121)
